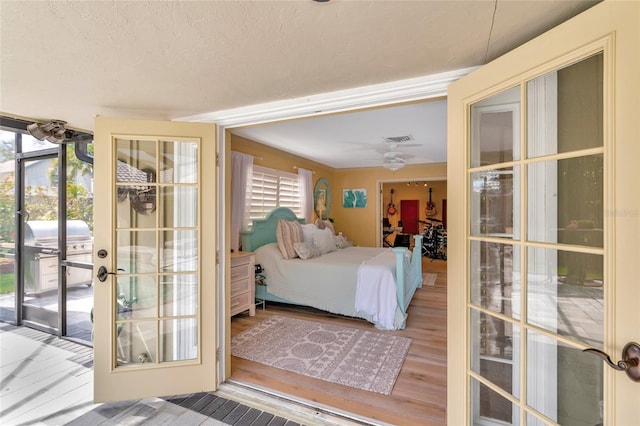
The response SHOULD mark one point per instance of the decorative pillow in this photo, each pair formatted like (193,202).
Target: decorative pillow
(307,232)
(342,242)
(306,250)
(321,224)
(328,224)
(288,233)
(324,240)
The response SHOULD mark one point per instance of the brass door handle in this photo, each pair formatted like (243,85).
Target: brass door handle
(630,362)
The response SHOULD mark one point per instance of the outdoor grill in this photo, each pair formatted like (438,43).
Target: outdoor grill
(41,251)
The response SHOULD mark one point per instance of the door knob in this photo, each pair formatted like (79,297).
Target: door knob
(630,362)
(103,273)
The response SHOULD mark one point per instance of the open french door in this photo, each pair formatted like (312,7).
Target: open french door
(543,247)
(155,309)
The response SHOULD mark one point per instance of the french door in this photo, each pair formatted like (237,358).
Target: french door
(154,264)
(41,256)
(544,245)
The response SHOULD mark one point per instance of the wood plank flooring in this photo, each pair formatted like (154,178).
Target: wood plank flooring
(419,396)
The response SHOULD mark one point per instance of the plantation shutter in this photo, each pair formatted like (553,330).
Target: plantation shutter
(273,188)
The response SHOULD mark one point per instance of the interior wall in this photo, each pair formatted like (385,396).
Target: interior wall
(360,225)
(267,156)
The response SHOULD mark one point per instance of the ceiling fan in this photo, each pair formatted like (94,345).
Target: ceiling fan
(393,159)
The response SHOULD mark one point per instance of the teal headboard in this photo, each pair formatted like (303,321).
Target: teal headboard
(263,231)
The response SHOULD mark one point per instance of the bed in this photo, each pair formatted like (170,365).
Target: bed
(376,284)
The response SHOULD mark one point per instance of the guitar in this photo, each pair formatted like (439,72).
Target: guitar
(391,209)
(431,206)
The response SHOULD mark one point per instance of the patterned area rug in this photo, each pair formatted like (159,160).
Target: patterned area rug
(358,358)
(429,279)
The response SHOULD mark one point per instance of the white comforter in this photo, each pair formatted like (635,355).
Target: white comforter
(376,289)
(328,282)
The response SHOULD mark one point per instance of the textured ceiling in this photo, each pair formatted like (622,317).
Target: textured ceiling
(165,60)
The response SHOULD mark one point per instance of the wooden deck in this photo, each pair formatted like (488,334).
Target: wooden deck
(49,381)
(420,393)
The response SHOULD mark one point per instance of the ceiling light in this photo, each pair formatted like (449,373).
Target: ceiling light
(393,165)
(53,131)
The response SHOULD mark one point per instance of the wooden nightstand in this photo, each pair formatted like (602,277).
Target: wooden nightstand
(243,283)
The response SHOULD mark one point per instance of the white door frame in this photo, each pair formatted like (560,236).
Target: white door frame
(386,94)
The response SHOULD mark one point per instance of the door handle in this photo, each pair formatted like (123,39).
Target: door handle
(103,273)
(630,362)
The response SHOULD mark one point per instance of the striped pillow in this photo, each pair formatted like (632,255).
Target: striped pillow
(288,233)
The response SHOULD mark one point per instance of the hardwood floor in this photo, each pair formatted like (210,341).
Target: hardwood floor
(419,396)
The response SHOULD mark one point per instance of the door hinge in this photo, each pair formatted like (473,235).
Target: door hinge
(217,353)
(217,159)
(217,257)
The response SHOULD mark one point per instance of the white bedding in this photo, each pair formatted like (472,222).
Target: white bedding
(376,289)
(327,282)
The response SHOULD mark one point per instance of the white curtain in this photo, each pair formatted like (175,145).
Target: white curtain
(241,174)
(306,193)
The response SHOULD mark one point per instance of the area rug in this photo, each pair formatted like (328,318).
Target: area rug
(348,356)
(429,279)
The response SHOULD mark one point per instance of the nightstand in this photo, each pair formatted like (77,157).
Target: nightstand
(242,283)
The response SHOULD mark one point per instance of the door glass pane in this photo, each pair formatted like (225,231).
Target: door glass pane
(137,298)
(495,277)
(496,129)
(136,342)
(494,199)
(41,259)
(136,167)
(492,346)
(179,206)
(179,162)
(79,246)
(565,292)
(489,407)
(563,383)
(179,339)
(7,227)
(79,301)
(158,294)
(136,160)
(30,144)
(137,252)
(179,295)
(180,250)
(565,109)
(566,201)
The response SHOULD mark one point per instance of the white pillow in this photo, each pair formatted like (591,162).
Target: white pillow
(324,240)
(306,250)
(307,232)
(342,242)
(322,224)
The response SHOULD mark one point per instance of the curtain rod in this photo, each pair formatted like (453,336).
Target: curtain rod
(312,171)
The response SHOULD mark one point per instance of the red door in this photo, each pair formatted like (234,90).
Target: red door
(409,216)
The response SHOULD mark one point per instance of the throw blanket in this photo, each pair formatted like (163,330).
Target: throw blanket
(376,289)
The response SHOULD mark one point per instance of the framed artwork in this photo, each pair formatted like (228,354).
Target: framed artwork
(354,198)
(322,198)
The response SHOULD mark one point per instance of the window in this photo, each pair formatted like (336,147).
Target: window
(273,188)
